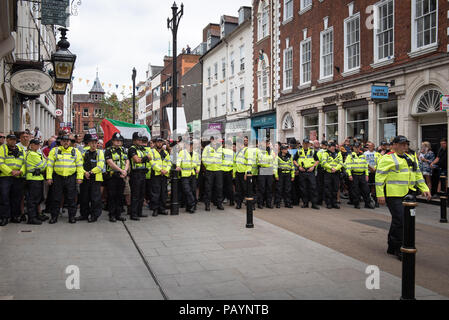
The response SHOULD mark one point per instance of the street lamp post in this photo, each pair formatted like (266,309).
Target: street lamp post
(173,24)
(134,95)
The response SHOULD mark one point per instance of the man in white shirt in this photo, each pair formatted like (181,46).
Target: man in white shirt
(37,134)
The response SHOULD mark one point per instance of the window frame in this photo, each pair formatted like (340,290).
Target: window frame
(242,58)
(285,10)
(377,8)
(414,40)
(345,28)
(380,119)
(322,64)
(242,101)
(307,41)
(85,114)
(288,50)
(304,6)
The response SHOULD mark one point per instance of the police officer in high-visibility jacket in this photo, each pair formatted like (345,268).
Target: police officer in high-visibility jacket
(285,175)
(138,158)
(398,175)
(227,166)
(160,165)
(187,168)
(320,172)
(116,172)
(90,190)
(332,164)
(306,160)
(64,172)
(357,170)
(35,168)
(212,159)
(12,169)
(267,167)
(252,169)
(240,169)
(145,144)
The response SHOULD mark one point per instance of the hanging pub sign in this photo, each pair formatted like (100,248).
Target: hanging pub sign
(379,92)
(31,82)
(55,12)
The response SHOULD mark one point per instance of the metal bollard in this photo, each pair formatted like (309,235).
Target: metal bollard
(249,203)
(443,200)
(408,249)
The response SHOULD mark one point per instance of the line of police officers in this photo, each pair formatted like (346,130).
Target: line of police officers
(253,169)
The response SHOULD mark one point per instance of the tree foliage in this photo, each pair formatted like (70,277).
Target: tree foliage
(117,109)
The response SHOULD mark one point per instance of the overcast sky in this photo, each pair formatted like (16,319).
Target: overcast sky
(117,35)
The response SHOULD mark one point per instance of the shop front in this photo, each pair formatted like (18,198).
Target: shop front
(265,122)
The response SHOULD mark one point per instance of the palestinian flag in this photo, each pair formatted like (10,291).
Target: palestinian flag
(126,129)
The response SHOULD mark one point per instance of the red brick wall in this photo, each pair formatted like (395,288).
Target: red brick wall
(79,119)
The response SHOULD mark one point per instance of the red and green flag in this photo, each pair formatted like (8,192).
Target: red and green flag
(126,129)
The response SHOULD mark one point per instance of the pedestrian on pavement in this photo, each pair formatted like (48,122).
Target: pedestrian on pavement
(64,172)
(307,160)
(398,175)
(284,175)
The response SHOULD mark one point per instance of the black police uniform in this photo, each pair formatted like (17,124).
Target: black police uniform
(115,185)
(307,180)
(90,189)
(284,184)
(136,183)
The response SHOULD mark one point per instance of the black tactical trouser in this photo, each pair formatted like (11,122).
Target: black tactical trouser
(11,193)
(320,184)
(264,189)
(395,234)
(228,190)
(148,190)
(240,187)
(158,193)
(283,189)
(64,188)
(33,197)
(188,190)
(307,182)
(137,186)
(360,186)
(331,186)
(90,198)
(213,180)
(296,190)
(115,187)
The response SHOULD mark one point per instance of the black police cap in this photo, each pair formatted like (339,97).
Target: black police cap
(159,140)
(357,145)
(332,144)
(35,141)
(65,137)
(137,136)
(400,139)
(11,136)
(87,137)
(306,140)
(324,142)
(116,136)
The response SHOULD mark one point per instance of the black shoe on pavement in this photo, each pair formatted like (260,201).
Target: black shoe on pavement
(35,221)
(72,220)
(231,203)
(112,219)
(81,218)
(314,206)
(15,220)
(269,206)
(120,218)
(135,218)
(305,205)
(260,206)
(143,215)
(53,220)
(92,219)
(278,206)
(190,210)
(336,206)
(329,206)
(357,206)
(23,218)
(289,206)
(163,212)
(43,217)
(154,213)
(3,222)
(220,207)
(238,206)
(207,207)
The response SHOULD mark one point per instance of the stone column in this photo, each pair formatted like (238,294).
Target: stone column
(300,129)
(341,123)
(372,121)
(321,124)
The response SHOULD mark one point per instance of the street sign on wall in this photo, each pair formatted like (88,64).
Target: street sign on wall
(379,92)
(55,12)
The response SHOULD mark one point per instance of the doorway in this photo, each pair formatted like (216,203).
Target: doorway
(433,134)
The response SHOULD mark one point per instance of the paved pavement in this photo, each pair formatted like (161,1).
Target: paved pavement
(207,255)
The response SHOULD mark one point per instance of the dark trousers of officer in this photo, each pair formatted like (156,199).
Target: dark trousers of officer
(188,190)
(320,184)
(395,235)
(11,193)
(283,189)
(360,186)
(148,190)
(115,187)
(33,197)
(307,182)
(331,186)
(90,198)
(264,189)
(137,185)
(213,180)
(296,190)
(64,188)
(228,190)
(158,193)
(240,187)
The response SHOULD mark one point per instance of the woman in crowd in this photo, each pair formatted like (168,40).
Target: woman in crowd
(426,157)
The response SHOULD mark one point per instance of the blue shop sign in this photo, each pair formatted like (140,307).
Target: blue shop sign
(379,92)
(267,121)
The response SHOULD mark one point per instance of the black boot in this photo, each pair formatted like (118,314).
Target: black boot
(154,213)
(259,206)
(92,219)
(305,205)
(314,206)
(72,219)
(15,220)
(3,222)
(238,206)
(269,206)
(207,206)
(112,219)
(120,218)
(220,207)
(135,218)
(43,217)
(53,220)
(278,205)
(35,221)
(81,218)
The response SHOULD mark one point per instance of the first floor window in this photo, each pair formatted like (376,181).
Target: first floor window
(425,22)
(352,43)
(327,54)
(306,58)
(86,112)
(331,123)
(85,126)
(288,68)
(384,43)
(388,120)
(288,9)
(311,126)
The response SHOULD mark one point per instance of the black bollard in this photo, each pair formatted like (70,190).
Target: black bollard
(408,249)
(249,202)
(443,200)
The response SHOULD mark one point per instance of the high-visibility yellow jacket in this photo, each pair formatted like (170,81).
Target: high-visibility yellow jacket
(285,166)
(119,157)
(148,164)
(329,162)
(397,177)
(65,162)
(320,154)
(35,161)
(99,164)
(140,152)
(251,160)
(266,162)
(197,163)
(212,159)
(158,164)
(8,162)
(228,160)
(356,164)
(306,159)
(186,163)
(241,165)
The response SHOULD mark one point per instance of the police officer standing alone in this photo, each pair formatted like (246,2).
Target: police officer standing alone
(398,175)
(64,172)
(307,160)
(90,190)
(285,174)
(117,170)
(332,164)
(35,167)
(357,170)
(12,169)
(138,158)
